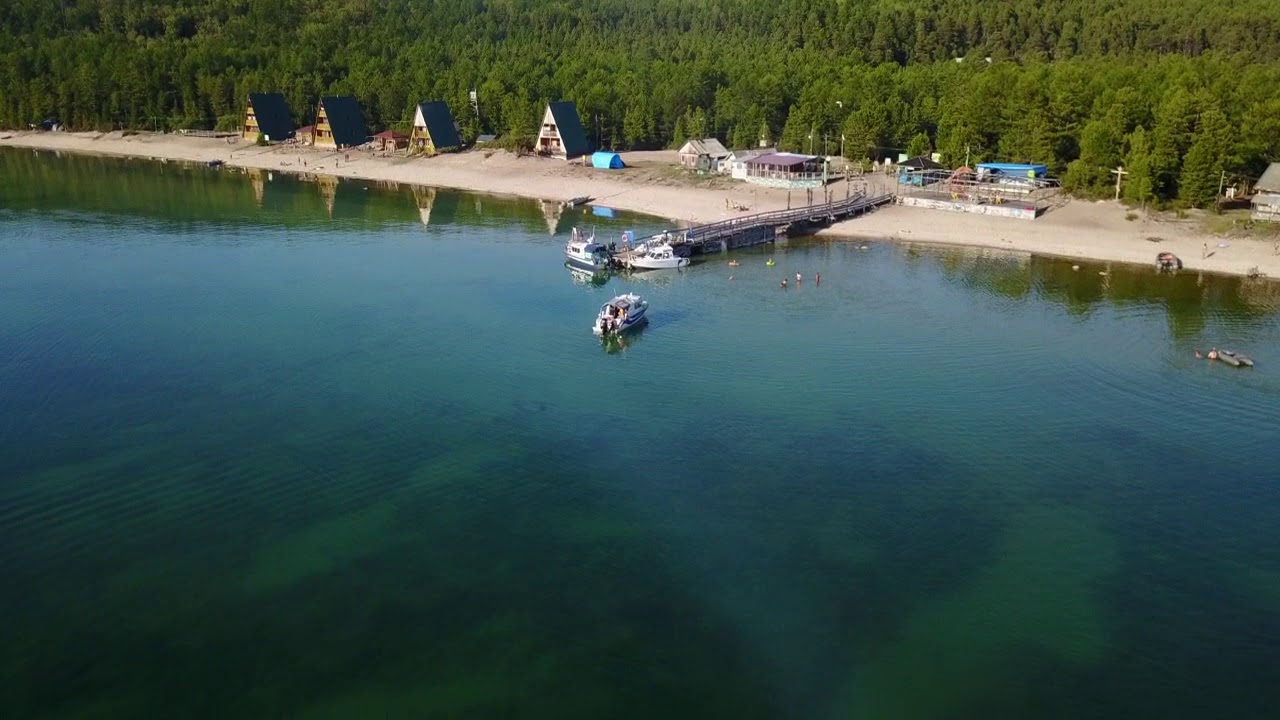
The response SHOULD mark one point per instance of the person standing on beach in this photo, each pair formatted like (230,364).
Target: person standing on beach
(1204,251)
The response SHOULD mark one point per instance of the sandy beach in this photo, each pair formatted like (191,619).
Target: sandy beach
(653,184)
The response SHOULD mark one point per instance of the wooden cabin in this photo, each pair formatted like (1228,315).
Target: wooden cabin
(433,129)
(561,134)
(391,140)
(707,155)
(267,114)
(340,123)
(1265,204)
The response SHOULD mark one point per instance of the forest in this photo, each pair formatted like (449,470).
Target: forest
(1185,95)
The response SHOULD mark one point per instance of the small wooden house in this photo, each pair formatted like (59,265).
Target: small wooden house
(706,155)
(391,140)
(340,123)
(267,114)
(561,134)
(1266,203)
(433,129)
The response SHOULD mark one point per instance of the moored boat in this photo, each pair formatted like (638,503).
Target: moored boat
(620,315)
(583,252)
(575,202)
(660,257)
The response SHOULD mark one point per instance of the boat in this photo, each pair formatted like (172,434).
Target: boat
(620,315)
(583,252)
(575,202)
(1168,262)
(659,257)
(770,263)
(1235,359)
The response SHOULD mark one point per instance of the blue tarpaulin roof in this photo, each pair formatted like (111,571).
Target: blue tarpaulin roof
(606,160)
(1014,168)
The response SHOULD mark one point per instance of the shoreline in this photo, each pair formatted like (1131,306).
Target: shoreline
(654,185)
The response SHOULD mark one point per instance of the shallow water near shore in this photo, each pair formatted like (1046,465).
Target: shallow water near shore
(283,448)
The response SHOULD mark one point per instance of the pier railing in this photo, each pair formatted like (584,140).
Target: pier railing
(825,212)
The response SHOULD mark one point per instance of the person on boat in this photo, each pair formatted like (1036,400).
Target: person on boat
(1213,354)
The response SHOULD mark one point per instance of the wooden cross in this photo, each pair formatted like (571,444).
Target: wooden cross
(1119,172)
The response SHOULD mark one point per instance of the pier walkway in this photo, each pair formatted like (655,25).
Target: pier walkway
(764,227)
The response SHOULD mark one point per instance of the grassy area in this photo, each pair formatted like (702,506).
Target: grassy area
(1238,224)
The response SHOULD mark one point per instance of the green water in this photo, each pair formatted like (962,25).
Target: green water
(277,449)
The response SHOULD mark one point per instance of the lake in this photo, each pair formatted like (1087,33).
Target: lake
(279,447)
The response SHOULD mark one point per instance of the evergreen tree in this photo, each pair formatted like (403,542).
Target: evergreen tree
(635,130)
(919,145)
(1101,149)
(1199,178)
(1030,138)
(1140,185)
(679,134)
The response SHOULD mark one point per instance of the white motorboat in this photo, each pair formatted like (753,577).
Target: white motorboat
(620,315)
(658,257)
(583,252)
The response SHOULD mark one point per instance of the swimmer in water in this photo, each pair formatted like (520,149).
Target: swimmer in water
(784,283)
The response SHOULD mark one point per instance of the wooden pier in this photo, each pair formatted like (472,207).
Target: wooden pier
(765,227)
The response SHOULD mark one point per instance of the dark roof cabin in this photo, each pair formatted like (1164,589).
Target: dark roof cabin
(268,113)
(340,123)
(433,129)
(562,134)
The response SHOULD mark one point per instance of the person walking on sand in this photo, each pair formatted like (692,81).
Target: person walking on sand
(1204,251)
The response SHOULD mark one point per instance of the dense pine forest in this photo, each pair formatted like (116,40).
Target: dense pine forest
(1177,92)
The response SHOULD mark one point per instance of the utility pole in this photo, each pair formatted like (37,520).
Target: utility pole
(966,156)
(1119,172)
(810,141)
(1222,181)
(842,148)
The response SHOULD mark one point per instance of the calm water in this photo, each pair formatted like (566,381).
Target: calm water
(273,448)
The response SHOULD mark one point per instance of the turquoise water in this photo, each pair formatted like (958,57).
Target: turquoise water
(274,448)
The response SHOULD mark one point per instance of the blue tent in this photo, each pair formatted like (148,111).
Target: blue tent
(606,160)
